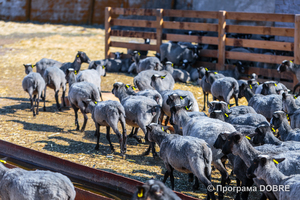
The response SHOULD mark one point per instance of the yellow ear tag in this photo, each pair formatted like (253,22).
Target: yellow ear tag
(291,61)
(228,106)
(275,84)
(215,72)
(295,97)
(186,108)
(95,102)
(181,98)
(257,83)
(172,64)
(287,116)
(127,86)
(226,114)
(3,161)
(206,69)
(162,128)
(141,193)
(248,137)
(77,56)
(103,67)
(250,87)
(32,66)
(133,88)
(75,72)
(273,130)
(163,77)
(139,53)
(275,161)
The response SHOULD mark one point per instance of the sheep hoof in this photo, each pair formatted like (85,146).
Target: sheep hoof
(44,109)
(97,147)
(59,109)
(123,156)
(82,130)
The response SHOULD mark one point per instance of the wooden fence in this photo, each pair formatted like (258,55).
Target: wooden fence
(221,41)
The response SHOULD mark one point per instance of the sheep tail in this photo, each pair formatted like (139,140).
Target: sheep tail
(206,154)
(235,88)
(121,110)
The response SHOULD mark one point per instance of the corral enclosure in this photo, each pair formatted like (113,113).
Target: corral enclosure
(160,31)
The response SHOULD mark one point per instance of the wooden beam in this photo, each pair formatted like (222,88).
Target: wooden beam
(107,31)
(133,23)
(159,28)
(256,57)
(209,53)
(261,44)
(261,30)
(260,17)
(272,73)
(28,10)
(190,26)
(135,46)
(134,34)
(91,12)
(209,65)
(297,40)
(191,14)
(191,38)
(222,38)
(133,11)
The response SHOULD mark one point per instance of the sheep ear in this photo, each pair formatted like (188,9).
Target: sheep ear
(182,97)
(243,86)
(263,161)
(278,160)
(24,65)
(236,138)
(284,95)
(276,115)
(224,136)
(164,128)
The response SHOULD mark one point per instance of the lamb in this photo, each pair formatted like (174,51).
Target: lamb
(290,66)
(80,58)
(264,167)
(272,87)
(155,190)
(108,113)
(143,53)
(147,63)
(264,105)
(175,53)
(55,79)
(185,154)
(143,80)
(236,72)
(78,94)
(290,106)
(205,86)
(179,75)
(223,88)
(280,122)
(204,128)
(92,76)
(254,84)
(20,184)
(140,111)
(33,84)
(230,111)
(44,63)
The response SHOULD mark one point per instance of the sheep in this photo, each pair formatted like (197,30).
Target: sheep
(280,122)
(205,86)
(140,111)
(20,184)
(33,84)
(264,167)
(175,53)
(272,87)
(78,94)
(42,64)
(80,58)
(223,88)
(236,72)
(232,111)
(194,75)
(264,105)
(143,80)
(55,79)
(169,67)
(290,106)
(290,66)
(204,128)
(108,113)
(184,154)
(92,76)
(132,68)
(154,190)
(143,53)
(254,84)
(179,75)
(147,63)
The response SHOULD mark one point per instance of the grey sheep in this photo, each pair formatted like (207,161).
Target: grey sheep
(154,190)
(176,54)
(204,128)
(264,105)
(139,110)
(230,111)
(280,122)
(143,53)
(223,88)
(264,168)
(108,113)
(179,75)
(290,106)
(290,66)
(34,85)
(272,87)
(92,76)
(80,58)
(42,64)
(55,79)
(147,63)
(79,93)
(194,74)
(19,184)
(183,153)
(236,72)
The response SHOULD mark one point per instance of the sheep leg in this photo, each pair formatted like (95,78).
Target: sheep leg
(56,99)
(45,98)
(31,102)
(167,120)
(236,100)
(238,183)
(108,139)
(76,116)
(123,123)
(225,178)
(191,177)
(97,132)
(63,97)
(100,95)
(204,94)
(37,107)
(84,121)
(168,173)
(247,183)
(134,135)
(34,105)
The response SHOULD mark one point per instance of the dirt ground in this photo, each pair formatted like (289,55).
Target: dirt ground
(53,132)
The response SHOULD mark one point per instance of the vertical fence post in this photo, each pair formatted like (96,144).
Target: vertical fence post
(91,12)
(222,38)
(297,40)
(159,28)
(107,31)
(28,10)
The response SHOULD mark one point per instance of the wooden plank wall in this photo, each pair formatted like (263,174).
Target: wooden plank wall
(221,41)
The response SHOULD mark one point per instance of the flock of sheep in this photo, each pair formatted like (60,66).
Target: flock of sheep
(245,135)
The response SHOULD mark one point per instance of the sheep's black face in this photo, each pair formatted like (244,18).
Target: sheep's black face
(233,138)
(283,66)
(220,141)
(260,133)
(277,119)
(118,55)
(252,168)
(83,57)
